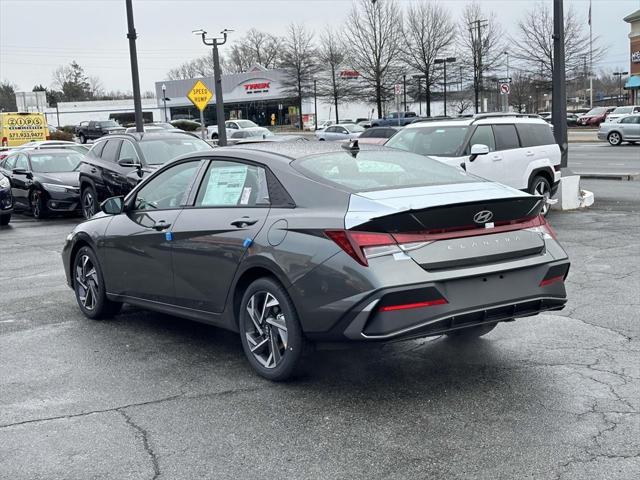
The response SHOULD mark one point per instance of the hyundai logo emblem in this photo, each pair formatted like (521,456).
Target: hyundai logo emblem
(483,216)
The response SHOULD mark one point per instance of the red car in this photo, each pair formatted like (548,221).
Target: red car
(595,116)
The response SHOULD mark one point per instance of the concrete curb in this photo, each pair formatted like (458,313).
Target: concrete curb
(629,176)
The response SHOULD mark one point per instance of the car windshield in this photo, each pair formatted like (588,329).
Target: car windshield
(354,128)
(440,141)
(55,162)
(596,111)
(246,124)
(160,151)
(379,170)
(109,124)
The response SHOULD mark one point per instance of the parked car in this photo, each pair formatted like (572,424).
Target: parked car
(17,128)
(377,135)
(595,116)
(235,136)
(396,119)
(94,129)
(572,119)
(6,200)
(233,125)
(44,181)
(514,149)
(622,112)
(48,144)
(325,124)
(364,124)
(340,131)
(273,138)
(288,245)
(115,164)
(626,129)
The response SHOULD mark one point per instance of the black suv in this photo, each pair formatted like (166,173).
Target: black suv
(114,165)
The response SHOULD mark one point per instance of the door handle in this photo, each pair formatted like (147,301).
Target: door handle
(529,154)
(496,158)
(161,225)
(244,222)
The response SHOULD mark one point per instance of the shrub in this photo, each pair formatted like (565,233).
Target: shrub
(61,135)
(186,125)
(68,128)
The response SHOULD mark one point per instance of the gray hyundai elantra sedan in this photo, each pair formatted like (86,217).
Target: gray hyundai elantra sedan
(294,243)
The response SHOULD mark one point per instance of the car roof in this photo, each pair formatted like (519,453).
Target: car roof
(294,150)
(482,119)
(141,137)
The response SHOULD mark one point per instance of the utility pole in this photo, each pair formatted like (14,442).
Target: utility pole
(475,28)
(620,74)
(444,62)
(315,104)
(135,77)
(404,90)
(215,43)
(164,100)
(559,104)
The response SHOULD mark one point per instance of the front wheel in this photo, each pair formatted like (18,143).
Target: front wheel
(88,284)
(614,139)
(82,138)
(541,186)
(38,209)
(89,202)
(270,332)
(471,332)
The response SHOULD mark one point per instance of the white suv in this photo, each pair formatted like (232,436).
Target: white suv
(514,149)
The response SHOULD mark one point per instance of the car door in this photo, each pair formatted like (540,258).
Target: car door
(633,128)
(513,163)
(486,166)
(211,238)
(21,182)
(109,175)
(137,243)
(341,133)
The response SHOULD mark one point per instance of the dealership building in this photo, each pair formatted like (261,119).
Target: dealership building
(633,83)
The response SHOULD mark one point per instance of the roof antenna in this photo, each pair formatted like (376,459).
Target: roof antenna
(352,146)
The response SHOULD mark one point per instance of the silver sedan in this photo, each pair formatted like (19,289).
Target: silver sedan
(626,129)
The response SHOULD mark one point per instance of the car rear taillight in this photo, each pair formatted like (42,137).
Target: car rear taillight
(552,280)
(358,244)
(409,306)
(543,228)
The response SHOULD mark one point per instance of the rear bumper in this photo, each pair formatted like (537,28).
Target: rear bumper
(495,297)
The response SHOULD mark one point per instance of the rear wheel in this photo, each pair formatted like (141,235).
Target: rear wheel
(614,139)
(82,138)
(89,202)
(5,219)
(88,284)
(214,136)
(541,186)
(270,332)
(38,209)
(471,332)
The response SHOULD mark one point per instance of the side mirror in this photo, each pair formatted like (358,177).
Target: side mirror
(112,206)
(128,163)
(478,149)
(21,171)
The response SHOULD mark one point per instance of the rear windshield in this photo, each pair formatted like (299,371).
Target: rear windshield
(441,141)
(158,152)
(109,124)
(379,170)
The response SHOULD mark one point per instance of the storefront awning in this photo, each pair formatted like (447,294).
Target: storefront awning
(632,83)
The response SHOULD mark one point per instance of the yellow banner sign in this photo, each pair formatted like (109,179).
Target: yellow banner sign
(200,95)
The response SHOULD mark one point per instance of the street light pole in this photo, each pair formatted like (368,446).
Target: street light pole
(164,100)
(559,104)
(444,62)
(215,43)
(135,77)
(404,90)
(620,74)
(315,104)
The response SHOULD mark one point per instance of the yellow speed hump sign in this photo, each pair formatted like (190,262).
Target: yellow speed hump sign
(200,95)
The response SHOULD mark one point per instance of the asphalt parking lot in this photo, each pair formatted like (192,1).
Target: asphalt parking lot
(151,396)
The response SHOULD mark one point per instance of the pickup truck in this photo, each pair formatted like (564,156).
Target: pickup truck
(94,129)
(395,119)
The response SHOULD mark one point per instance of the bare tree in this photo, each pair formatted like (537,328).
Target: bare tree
(523,90)
(428,33)
(484,52)
(333,58)
(198,67)
(463,103)
(374,34)
(534,45)
(299,60)
(256,47)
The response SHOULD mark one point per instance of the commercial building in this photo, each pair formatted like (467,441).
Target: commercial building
(633,83)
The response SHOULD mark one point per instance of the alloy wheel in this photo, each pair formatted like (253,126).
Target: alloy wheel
(614,138)
(542,189)
(87,282)
(267,332)
(35,205)
(88,204)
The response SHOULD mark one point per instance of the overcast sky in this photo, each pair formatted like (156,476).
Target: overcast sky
(36,36)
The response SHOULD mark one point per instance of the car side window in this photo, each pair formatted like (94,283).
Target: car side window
(169,189)
(111,150)
(10,162)
(233,184)
(506,137)
(128,152)
(343,130)
(97,148)
(484,136)
(21,162)
(330,129)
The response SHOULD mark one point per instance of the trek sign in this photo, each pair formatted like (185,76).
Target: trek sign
(257,87)
(200,95)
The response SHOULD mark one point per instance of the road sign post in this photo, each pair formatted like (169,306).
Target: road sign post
(505,89)
(200,95)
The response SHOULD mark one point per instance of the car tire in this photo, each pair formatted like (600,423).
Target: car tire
(277,330)
(472,332)
(5,219)
(214,136)
(321,139)
(89,201)
(88,285)
(614,139)
(541,186)
(82,138)
(38,208)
